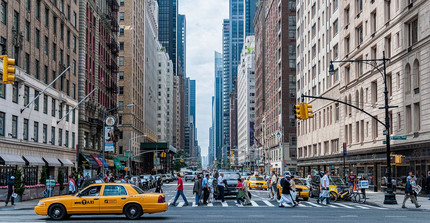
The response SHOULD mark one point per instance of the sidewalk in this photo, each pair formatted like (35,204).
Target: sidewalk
(24,205)
(377,199)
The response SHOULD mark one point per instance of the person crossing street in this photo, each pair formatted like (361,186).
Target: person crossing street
(221,186)
(245,187)
(325,187)
(206,189)
(197,190)
(180,191)
(286,198)
(409,193)
(274,186)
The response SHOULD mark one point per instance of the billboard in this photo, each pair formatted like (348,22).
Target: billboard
(109,139)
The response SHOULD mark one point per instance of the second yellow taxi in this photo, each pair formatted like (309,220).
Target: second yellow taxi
(104,198)
(257,182)
(301,189)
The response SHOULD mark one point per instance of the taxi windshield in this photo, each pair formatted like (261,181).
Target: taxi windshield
(138,190)
(231,176)
(256,179)
(337,180)
(298,182)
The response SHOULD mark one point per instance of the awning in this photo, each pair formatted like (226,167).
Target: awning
(66,162)
(10,159)
(118,164)
(103,161)
(110,163)
(96,158)
(51,161)
(92,162)
(34,160)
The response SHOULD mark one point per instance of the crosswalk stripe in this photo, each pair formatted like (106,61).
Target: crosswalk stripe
(315,205)
(362,207)
(180,204)
(380,208)
(224,204)
(268,203)
(302,205)
(333,206)
(345,206)
(210,204)
(254,204)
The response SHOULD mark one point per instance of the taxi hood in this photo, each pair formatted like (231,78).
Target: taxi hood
(64,197)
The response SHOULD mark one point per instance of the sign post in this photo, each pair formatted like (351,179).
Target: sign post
(345,153)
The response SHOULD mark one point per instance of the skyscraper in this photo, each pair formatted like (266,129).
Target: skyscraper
(182,43)
(167,28)
(225,90)
(217,107)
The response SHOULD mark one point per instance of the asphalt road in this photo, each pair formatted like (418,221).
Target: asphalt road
(262,210)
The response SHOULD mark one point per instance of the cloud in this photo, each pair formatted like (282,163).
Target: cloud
(204,36)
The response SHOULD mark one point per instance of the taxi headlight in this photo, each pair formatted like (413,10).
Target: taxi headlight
(41,204)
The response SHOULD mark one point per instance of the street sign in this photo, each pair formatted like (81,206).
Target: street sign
(128,154)
(398,137)
(110,120)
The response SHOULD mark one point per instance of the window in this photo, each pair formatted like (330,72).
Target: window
(347,44)
(15,25)
(45,134)
(114,190)
(359,68)
(14,126)
(335,28)
(54,25)
(373,22)
(291,56)
(53,107)
(74,44)
(60,110)
(93,191)
(347,75)
(3,12)
(359,34)
(37,39)
(66,139)
(416,76)
(15,94)
(73,116)
(74,91)
(2,90)
(121,46)
(387,9)
(374,128)
(74,67)
(121,90)
(37,9)
(54,75)
(408,78)
(36,132)
(408,119)
(47,17)
(390,84)
(36,70)
(359,5)
(46,49)
(374,92)
(74,19)
(52,135)
(335,51)
(121,16)
(45,104)
(25,129)
(60,137)
(67,112)
(291,26)
(2,123)
(346,15)
(121,75)
(413,32)
(27,31)
(121,2)
(417,117)
(121,31)
(121,61)
(36,102)
(388,46)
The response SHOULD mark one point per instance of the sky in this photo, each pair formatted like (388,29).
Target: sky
(204,36)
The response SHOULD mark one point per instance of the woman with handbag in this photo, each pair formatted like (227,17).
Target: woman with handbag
(240,193)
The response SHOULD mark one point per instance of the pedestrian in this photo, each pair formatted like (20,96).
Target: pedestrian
(286,189)
(240,194)
(158,188)
(409,194)
(245,188)
(49,186)
(293,191)
(197,189)
(71,185)
(363,190)
(206,189)
(427,184)
(80,180)
(351,180)
(180,191)
(325,185)
(10,191)
(221,184)
(274,185)
(394,184)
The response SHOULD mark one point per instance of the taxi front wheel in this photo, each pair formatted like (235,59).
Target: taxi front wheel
(57,212)
(133,211)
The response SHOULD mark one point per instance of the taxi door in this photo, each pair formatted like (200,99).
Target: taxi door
(87,201)
(113,199)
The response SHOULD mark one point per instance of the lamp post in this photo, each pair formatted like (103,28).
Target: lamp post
(104,138)
(129,150)
(390,197)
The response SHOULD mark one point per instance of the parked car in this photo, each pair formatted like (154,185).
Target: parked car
(191,176)
(166,178)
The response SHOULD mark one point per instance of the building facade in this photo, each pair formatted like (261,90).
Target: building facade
(38,125)
(275,77)
(164,97)
(246,103)
(225,91)
(371,30)
(182,44)
(217,112)
(168,29)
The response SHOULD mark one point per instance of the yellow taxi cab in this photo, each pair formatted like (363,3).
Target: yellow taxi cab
(104,198)
(257,182)
(301,189)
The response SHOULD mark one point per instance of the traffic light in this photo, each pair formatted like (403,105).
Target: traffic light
(155,155)
(163,155)
(300,111)
(308,111)
(231,154)
(8,70)
(397,159)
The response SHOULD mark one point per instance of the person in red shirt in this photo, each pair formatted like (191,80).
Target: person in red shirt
(180,191)
(351,179)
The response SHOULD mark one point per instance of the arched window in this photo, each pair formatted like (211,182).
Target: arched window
(361,98)
(408,79)
(416,75)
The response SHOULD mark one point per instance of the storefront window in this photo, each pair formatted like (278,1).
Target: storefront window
(30,175)
(5,173)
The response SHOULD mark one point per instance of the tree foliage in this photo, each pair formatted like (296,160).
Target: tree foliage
(19,182)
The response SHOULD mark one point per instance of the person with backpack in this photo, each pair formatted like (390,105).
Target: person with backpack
(240,194)
(409,194)
(286,197)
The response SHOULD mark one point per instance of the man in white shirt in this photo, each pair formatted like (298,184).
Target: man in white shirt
(221,186)
(325,187)
(273,185)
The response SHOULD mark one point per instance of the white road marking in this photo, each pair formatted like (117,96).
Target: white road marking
(180,204)
(362,207)
(395,216)
(224,204)
(268,203)
(210,204)
(254,204)
(333,206)
(315,205)
(380,208)
(345,206)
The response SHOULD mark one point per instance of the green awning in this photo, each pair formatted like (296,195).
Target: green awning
(118,164)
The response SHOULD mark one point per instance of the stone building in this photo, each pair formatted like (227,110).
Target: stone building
(34,130)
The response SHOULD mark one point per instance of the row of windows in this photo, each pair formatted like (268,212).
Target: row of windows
(26,135)
(325,148)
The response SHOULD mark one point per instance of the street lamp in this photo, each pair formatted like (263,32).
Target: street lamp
(390,197)
(129,149)
(104,131)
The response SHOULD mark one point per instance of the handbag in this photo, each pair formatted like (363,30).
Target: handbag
(240,194)
(14,195)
